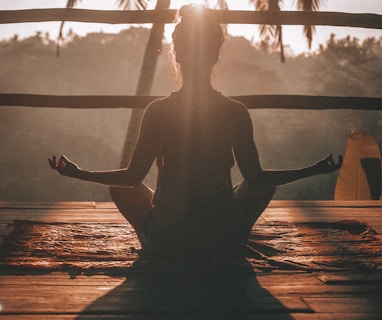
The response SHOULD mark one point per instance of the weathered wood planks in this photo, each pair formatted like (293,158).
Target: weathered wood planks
(274,295)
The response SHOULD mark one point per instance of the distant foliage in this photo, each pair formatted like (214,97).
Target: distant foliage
(109,64)
(350,66)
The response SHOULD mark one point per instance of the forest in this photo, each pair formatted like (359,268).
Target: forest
(109,64)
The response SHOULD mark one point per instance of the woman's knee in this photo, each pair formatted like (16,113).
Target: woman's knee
(244,192)
(252,201)
(133,202)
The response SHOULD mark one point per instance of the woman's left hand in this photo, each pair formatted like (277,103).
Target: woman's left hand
(328,164)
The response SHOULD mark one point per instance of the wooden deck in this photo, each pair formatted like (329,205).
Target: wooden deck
(279,294)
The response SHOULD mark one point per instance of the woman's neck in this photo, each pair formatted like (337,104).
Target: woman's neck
(197,85)
(196,79)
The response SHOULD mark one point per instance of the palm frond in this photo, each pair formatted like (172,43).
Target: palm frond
(273,31)
(308,31)
(136,4)
(261,5)
(267,5)
(69,4)
(274,5)
(280,42)
(308,5)
(222,4)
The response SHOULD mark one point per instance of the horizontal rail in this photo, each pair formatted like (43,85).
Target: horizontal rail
(361,20)
(301,102)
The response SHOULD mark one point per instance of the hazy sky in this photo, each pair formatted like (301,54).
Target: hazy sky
(292,35)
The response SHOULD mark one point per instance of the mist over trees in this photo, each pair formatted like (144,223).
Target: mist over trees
(109,64)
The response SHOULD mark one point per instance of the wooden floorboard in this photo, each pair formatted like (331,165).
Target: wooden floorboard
(265,295)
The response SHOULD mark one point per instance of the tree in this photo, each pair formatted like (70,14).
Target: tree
(275,31)
(125,4)
(153,49)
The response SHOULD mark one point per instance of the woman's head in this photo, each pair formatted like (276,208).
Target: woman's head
(197,38)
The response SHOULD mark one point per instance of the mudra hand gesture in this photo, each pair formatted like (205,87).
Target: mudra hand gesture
(64,166)
(328,164)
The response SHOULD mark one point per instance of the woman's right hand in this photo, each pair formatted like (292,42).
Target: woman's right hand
(64,166)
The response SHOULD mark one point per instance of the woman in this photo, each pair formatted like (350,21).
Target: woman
(194,135)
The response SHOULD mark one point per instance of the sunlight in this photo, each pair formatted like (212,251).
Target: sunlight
(293,36)
(197,2)
(176,4)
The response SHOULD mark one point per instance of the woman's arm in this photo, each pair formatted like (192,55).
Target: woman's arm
(140,164)
(121,177)
(276,178)
(247,157)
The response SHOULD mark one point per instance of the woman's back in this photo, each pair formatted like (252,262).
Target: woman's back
(194,200)
(195,149)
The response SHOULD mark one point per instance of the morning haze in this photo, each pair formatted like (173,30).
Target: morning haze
(109,64)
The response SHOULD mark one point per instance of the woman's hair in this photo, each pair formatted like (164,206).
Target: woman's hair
(198,36)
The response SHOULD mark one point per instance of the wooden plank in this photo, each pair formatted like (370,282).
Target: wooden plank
(337,316)
(274,316)
(273,204)
(267,303)
(15,284)
(326,203)
(327,215)
(320,291)
(56,302)
(281,204)
(69,218)
(288,278)
(360,20)
(275,295)
(363,305)
(180,295)
(277,211)
(85,15)
(105,205)
(47,205)
(61,278)
(371,278)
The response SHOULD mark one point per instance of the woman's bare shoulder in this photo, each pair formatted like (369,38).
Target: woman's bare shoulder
(233,107)
(230,102)
(160,103)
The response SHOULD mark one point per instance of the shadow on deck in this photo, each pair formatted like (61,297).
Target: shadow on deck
(269,286)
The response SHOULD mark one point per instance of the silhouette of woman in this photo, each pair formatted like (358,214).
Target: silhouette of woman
(194,135)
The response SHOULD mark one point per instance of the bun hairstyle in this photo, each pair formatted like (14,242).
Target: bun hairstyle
(198,35)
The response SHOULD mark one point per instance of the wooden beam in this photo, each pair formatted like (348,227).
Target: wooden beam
(361,20)
(75,102)
(251,101)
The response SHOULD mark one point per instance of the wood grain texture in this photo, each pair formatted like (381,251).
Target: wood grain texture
(264,295)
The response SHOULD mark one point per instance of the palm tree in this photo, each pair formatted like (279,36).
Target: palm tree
(148,67)
(153,46)
(276,30)
(125,4)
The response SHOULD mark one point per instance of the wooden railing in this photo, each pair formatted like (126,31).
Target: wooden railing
(364,20)
(360,20)
(137,102)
